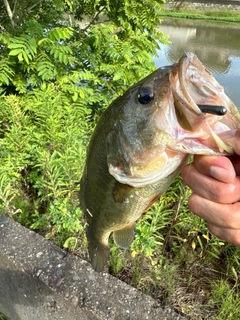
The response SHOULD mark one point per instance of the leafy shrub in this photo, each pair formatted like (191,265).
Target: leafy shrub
(55,80)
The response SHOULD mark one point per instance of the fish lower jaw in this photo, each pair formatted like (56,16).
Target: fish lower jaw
(206,142)
(200,148)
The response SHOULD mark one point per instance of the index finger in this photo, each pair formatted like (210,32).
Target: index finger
(222,215)
(210,188)
(220,168)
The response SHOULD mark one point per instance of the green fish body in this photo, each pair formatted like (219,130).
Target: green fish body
(142,142)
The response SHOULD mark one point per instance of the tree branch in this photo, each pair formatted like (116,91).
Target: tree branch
(94,18)
(9,12)
(33,6)
(14,7)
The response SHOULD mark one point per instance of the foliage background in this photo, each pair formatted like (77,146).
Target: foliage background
(62,62)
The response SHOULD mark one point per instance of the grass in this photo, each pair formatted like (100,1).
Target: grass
(183,10)
(175,259)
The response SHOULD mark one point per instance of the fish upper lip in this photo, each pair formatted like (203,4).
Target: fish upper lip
(193,115)
(189,115)
(184,64)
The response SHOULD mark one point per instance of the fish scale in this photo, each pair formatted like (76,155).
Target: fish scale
(142,142)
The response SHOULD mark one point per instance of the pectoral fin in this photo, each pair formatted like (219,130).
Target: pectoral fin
(121,192)
(123,238)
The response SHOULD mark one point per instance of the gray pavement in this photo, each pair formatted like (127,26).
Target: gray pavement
(39,280)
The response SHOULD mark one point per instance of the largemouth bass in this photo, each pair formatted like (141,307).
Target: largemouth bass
(142,142)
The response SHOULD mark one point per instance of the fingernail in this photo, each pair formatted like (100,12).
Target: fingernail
(221,174)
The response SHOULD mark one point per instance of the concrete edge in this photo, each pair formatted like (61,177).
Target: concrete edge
(71,280)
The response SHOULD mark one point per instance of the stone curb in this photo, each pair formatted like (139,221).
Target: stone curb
(39,280)
(207,4)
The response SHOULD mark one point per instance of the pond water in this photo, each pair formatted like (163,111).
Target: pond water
(217,45)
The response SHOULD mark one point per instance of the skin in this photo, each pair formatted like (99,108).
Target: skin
(215,182)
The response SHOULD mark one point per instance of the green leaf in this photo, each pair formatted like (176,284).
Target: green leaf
(32,46)
(75,96)
(15,52)
(4,79)
(26,56)
(118,75)
(70,4)
(20,56)
(15,45)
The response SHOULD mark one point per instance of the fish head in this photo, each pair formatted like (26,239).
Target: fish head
(158,122)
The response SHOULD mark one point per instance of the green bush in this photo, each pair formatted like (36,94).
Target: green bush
(55,81)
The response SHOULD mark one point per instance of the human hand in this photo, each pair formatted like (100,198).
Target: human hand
(215,182)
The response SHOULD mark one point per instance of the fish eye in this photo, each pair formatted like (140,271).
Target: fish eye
(145,95)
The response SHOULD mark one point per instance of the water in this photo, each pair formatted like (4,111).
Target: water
(217,45)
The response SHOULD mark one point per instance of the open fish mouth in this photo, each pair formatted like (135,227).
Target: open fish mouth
(202,108)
